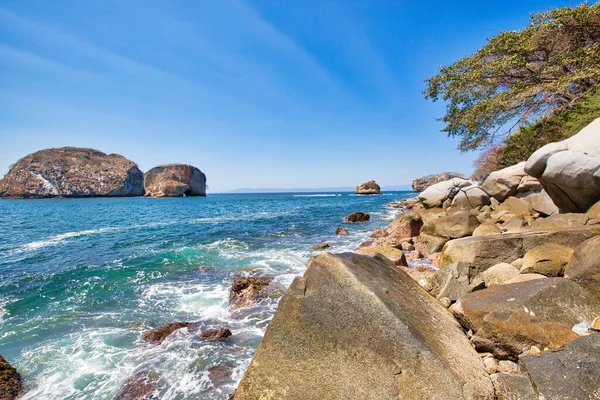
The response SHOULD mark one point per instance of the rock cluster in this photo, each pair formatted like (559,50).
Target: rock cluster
(455,192)
(174,180)
(72,172)
(420,184)
(370,187)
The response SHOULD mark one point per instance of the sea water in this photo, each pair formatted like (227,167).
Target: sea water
(82,279)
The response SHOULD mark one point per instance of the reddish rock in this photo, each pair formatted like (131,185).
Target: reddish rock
(157,335)
(378,233)
(139,386)
(10,381)
(216,334)
(341,231)
(357,217)
(246,291)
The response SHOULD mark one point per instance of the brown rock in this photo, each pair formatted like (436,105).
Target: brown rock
(549,259)
(487,228)
(341,231)
(72,172)
(516,206)
(525,278)
(452,226)
(513,387)
(246,291)
(157,335)
(428,244)
(175,180)
(216,334)
(584,266)
(499,274)
(455,280)
(407,246)
(420,184)
(220,375)
(370,187)
(139,386)
(321,246)
(394,255)
(378,233)
(357,217)
(508,319)
(405,225)
(10,381)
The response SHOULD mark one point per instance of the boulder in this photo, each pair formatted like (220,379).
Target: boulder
(499,274)
(455,280)
(515,206)
(394,255)
(428,244)
(72,172)
(141,385)
(420,184)
(452,226)
(370,187)
(549,259)
(541,203)
(341,231)
(405,225)
(157,335)
(513,386)
(584,266)
(470,197)
(525,278)
(487,251)
(467,195)
(10,381)
(487,228)
(568,373)
(247,291)
(508,319)
(357,328)
(594,212)
(378,233)
(321,246)
(357,217)
(215,334)
(510,181)
(570,170)
(175,180)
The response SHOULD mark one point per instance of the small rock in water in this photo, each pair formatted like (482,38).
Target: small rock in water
(341,231)
(220,375)
(157,335)
(138,386)
(10,381)
(246,291)
(216,334)
(357,217)
(321,246)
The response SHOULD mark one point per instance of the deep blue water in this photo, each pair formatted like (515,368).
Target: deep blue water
(82,279)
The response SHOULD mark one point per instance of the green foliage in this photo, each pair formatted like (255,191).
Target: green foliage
(520,76)
(519,146)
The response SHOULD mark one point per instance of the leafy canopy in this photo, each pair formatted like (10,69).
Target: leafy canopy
(519,76)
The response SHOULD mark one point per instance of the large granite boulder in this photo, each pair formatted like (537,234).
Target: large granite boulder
(406,225)
(72,172)
(513,386)
(370,187)
(357,328)
(570,170)
(499,274)
(247,291)
(452,226)
(568,373)
(10,381)
(541,202)
(584,266)
(549,259)
(510,181)
(456,280)
(509,319)
(391,253)
(420,184)
(175,180)
(455,192)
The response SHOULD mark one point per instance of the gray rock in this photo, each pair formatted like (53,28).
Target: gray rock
(453,226)
(436,195)
(420,184)
(570,170)
(513,386)
(542,203)
(357,328)
(510,181)
(455,280)
(568,373)
(499,274)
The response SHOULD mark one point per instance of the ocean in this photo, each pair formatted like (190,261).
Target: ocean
(82,279)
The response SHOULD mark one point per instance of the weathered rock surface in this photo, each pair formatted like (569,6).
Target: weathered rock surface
(525,278)
(391,253)
(456,280)
(341,231)
(357,217)
(568,373)
(513,386)
(549,259)
(420,184)
(453,226)
(175,180)
(142,385)
(456,192)
(157,335)
(570,170)
(72,172)
(487,251)
(405,225)
(216,334)
(246,291)
(357,328)
(510,181)
(541,203)
(584,266)
(428,244)
(10,381)
(499,274)
(509,319)
(321,246)
(487,228)
(370,187)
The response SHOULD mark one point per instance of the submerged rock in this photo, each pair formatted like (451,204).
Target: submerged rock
(357,217)
(370,187)
(341,231)
(72,172)
(321,246)
(140,386)
(246,291)
(357,328)
(157,335)
(10,381)
(175,180)
(216,334)
(420,184)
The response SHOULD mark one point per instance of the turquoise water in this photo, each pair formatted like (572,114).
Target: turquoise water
(82,279)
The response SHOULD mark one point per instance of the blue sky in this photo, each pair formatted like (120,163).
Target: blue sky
(290,93)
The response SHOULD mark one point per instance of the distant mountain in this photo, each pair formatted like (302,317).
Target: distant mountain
(314,190)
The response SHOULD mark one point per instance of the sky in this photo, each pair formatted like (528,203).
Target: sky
(257,94)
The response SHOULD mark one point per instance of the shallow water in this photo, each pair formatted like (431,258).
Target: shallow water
(82,279)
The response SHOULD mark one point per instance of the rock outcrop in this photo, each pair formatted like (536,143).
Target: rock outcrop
(357,328)
(357,217)
(584,266)
(455,192)
(215,334)
(510,181)
(247,291)
(420,184)
(570,170)
(10,381)
(159,334)
(370,187)
(175,180)
(549,259)
(72,172)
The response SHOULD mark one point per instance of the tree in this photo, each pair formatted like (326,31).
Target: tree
(520,76)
